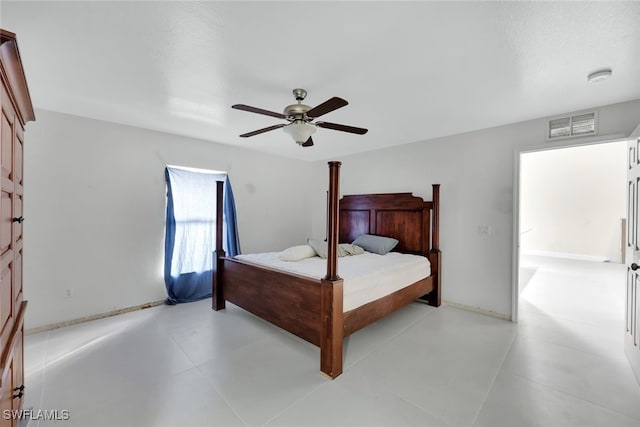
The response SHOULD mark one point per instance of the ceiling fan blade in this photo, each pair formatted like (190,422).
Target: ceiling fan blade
(327,107)
(343,128)
(308,143)
(263,130)
(258,111)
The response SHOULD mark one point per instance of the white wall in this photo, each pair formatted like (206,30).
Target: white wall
(95,200)
(95,207)
(572,200)
(476,173)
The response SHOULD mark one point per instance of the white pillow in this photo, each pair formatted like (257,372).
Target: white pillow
(296,253)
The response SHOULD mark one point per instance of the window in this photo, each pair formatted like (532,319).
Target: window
(190,236)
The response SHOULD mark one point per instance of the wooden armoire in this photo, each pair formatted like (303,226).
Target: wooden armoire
(17,110)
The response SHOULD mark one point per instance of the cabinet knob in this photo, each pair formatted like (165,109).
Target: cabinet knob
(18,219)
(635,266)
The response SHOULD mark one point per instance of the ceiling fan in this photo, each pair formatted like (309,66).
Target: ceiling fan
(300,117)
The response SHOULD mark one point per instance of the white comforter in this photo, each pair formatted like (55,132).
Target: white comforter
(367,277)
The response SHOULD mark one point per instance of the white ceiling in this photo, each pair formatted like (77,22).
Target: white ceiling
(411,71)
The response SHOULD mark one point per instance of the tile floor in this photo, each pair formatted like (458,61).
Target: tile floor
(562,365)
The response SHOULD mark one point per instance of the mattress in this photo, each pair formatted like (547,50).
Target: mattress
(367,277)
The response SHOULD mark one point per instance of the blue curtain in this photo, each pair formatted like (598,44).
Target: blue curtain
(232,244)
(190,232)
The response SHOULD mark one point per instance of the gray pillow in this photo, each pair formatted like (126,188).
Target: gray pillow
(376,244)
(320,246)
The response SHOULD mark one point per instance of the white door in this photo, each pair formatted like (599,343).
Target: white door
(632,258)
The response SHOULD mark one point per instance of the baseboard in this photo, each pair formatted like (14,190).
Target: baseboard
(595,258)
(479,310)
(53,326)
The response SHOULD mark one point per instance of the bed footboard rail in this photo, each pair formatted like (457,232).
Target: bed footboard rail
(308,308)
(291,302)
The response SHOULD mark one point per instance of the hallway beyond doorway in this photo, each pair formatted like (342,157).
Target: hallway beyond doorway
(575,303)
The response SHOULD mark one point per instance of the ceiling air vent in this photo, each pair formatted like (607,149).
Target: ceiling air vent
(566,127)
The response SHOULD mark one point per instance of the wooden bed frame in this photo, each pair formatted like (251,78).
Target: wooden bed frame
(312,308)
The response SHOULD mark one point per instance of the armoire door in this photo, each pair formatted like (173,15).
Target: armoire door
(16,111)
(632,258)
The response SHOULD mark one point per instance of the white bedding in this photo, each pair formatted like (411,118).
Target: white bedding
(367,277)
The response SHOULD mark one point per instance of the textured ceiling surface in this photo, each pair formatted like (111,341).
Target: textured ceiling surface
(411,71)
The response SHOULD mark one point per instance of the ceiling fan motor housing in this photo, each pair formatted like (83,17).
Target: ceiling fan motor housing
(296,112)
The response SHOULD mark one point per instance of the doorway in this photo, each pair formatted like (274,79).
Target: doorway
(570,229)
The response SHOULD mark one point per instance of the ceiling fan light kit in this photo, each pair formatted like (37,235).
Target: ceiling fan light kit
(300,131)
(300,118)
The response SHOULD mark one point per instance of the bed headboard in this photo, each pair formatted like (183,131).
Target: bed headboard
(402,216)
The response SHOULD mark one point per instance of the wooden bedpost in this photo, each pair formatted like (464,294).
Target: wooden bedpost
(435,236)
(435,256)
(217,302)
(333,219)
(331,304)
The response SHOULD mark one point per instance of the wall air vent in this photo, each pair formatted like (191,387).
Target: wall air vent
(567,127)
